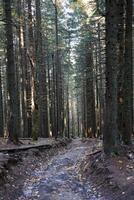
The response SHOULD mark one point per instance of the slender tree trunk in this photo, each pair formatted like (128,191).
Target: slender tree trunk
(54,125)
(1,109)
(72,119)
(59,98)
(101,90)
(4,96)
(84,122)
(90,96)
(121,40)
(98,118)
(43,103)
(68,112)
(78,118)
(50,110)
(23,64)
(30,70)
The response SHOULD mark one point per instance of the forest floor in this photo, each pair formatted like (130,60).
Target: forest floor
(113,175)
(69,172)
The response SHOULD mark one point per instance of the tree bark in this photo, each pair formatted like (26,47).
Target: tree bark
(90,96)
(128,78)
(23,64)
(1,109)
(43,103)
(30,71)
(110,122)
(13,123)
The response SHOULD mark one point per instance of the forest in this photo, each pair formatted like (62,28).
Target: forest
(66,99)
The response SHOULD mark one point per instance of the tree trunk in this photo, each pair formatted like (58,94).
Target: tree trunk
(128,77)
(43,103)
(59,99)
(110,122)
(1,109)
(90,96)
(13,123)
(23,64)
(121,40)
(30,70)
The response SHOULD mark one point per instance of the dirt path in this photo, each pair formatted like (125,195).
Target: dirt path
(56,179)
(59,180)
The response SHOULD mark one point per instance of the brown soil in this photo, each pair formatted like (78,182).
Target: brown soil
(114,176)
(82,166)
(21,164)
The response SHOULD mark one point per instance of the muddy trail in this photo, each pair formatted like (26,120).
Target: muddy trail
(58,178)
